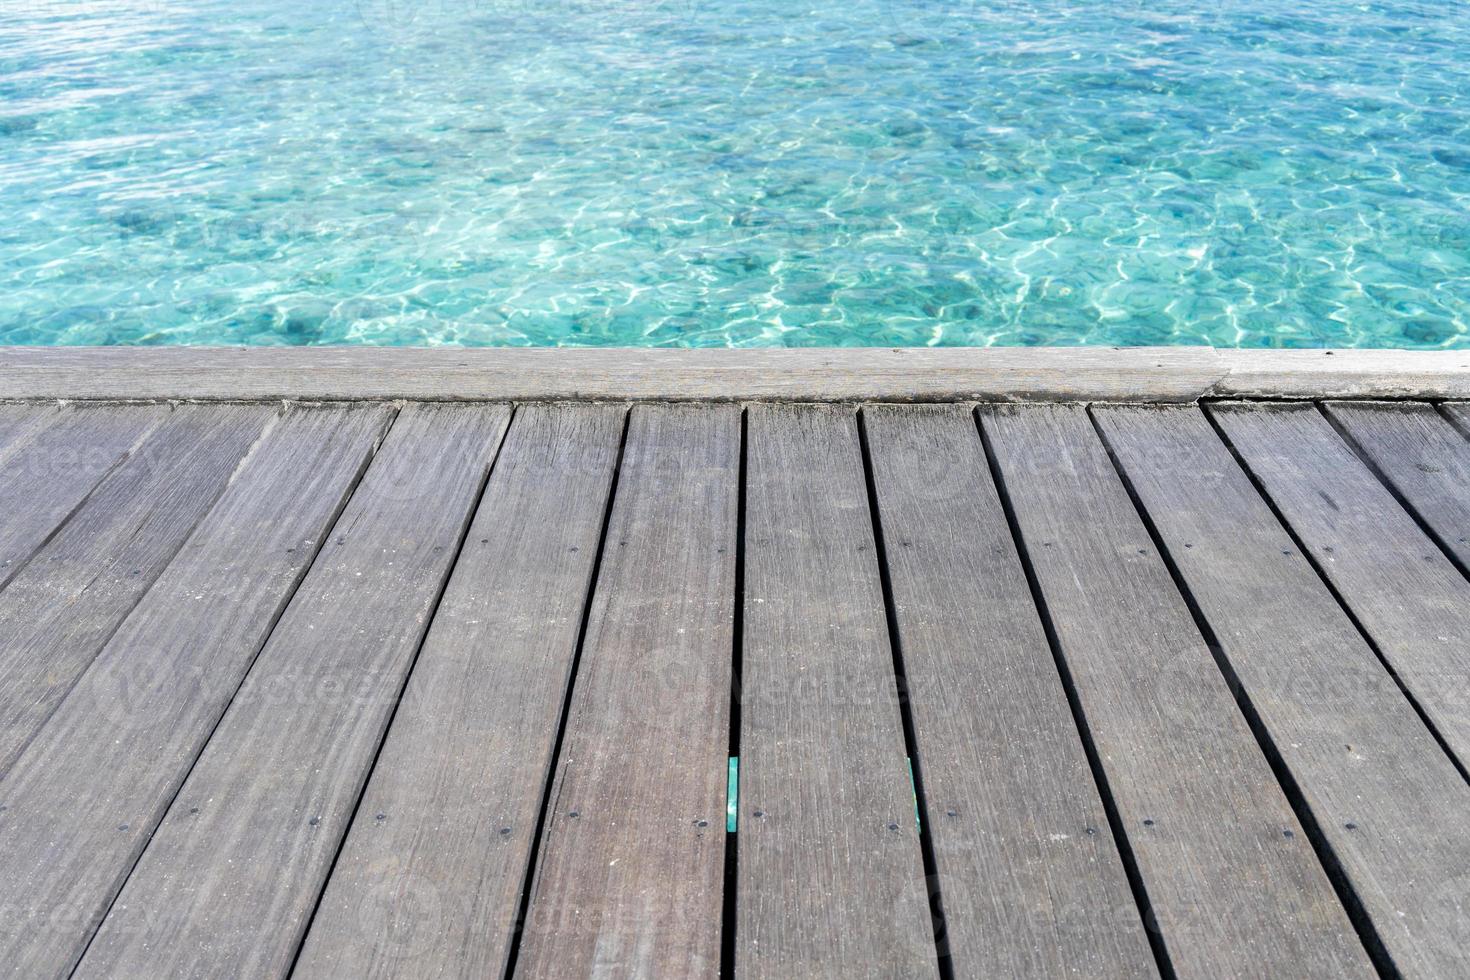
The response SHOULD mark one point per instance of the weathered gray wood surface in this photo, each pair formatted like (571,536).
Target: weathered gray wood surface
(1382,792)
(629,881)
(439,373)
(811,374)
(46,475)
(1423,457)
(1234,886)
(84,796)
(1408,596)
(435,889)
(224,879)
(1342,374)
(1459,414)
(19,421)
(62,606)
(830,876)
(1030,876)
(225,890)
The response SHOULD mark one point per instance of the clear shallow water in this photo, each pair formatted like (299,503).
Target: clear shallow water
(735,172)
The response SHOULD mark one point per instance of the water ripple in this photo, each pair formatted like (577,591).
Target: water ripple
(735,172)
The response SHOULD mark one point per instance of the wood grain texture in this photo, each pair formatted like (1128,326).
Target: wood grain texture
(62,606)
(832,374)
(1031,880)
(231,875)
(435,890)
(447,373)
(629,881)
(1342,374)
(83,797)
(1459,414)
(19,421)
(1384,795)
(1422,456)
(1234,885)
(830,876)
(1409,598)
(45,476)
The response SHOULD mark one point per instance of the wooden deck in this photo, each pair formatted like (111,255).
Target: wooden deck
(367,688)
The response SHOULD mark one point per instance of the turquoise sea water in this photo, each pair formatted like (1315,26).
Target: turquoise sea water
(735,172)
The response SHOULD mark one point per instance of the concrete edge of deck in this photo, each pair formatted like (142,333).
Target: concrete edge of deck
(1152,374)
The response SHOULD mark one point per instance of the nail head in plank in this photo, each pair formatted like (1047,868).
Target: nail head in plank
(1030,876)
(630,874)
(61,607)
(84,796)
(1409,598)
(231,875)
(1232,893)
(830,876)
(1353,744)
(436,888)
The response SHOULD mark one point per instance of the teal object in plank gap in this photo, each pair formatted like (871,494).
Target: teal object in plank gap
(732,795)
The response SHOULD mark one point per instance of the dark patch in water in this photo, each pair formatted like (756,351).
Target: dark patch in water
(142,222)
(754,218)
(734,162)
(15,125)
(1458,159)
(304,327)
(1431,332)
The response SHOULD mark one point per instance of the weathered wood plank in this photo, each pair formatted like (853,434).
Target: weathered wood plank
(448,373)
(1234,886)
(19,421)
(1423,457)
(629,879)
(231,875)
(830,876)
(435,889)
(61,607)
(1459,414)
(1030,875)
(830,374)
(1362,373)
(1383,794)
(1409,598)
(86,793)
(47,475)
